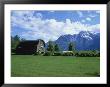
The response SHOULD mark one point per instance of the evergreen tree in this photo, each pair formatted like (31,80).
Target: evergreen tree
(71,46)
(56,47)
(16,38)
(50,47)
(22,39)
(14,41)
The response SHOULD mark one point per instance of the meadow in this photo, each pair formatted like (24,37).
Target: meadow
(54,66)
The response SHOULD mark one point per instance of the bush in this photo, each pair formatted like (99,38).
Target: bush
(48,53)
(57,54)
(68,53)
(74,53)
(87,53)
(37,53)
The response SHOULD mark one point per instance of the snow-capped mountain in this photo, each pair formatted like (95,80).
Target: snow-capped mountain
(85,40)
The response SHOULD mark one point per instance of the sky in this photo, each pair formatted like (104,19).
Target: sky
(51,24)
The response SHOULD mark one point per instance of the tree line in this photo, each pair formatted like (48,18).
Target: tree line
(15,40)
(54,49)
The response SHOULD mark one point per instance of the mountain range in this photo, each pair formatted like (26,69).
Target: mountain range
(84,40)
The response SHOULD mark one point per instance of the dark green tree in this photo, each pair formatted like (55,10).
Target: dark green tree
(56,48)
(22,39)
(50,47)
(16,38)
(71,46)
(14,41)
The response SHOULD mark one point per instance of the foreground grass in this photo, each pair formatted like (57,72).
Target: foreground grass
(51,66)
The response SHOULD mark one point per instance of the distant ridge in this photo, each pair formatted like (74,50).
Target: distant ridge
(84,40)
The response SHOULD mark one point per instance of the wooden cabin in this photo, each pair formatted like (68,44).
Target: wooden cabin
(31,47)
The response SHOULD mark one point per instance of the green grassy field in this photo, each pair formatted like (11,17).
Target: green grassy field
(54,66)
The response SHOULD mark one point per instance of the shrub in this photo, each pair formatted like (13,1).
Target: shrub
(48,53)
(38,53)
(68,53)
(74,53)
(87,53)
(57,54)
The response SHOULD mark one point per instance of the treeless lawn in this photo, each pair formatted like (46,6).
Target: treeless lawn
(54,66)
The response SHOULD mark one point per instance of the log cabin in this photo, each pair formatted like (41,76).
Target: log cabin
(30,47)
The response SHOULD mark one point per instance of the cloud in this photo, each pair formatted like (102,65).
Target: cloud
(39,15)
(83,21)
(49,29)
(88,19)
(80,13)
(22,13)
(93,13)
(92,16)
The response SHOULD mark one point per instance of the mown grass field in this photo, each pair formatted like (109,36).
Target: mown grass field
(54,66)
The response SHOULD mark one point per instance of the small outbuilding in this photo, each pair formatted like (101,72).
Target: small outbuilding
(31,47)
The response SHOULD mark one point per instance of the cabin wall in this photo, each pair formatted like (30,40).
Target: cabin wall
(40,47)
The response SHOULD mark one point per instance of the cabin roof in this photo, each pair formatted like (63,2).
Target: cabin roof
(30,42)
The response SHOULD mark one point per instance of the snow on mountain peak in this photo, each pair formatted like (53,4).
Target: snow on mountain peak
(85,34)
